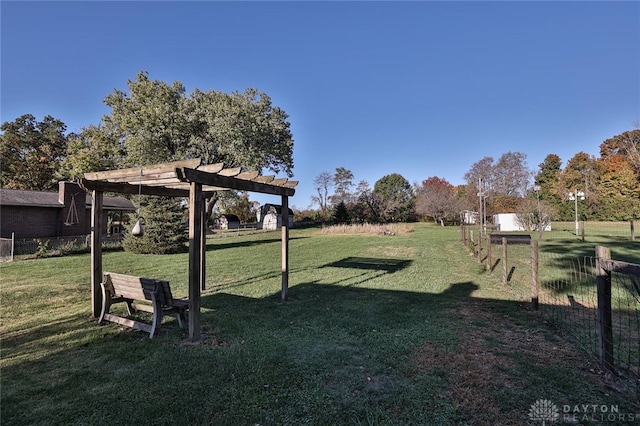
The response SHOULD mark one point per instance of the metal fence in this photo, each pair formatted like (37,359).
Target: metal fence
(595,230)
(597,302)
(10,248)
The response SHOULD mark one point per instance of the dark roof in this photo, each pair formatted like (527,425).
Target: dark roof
(277,207)
(21,197)
(26,198)
(230,217)
(114,203)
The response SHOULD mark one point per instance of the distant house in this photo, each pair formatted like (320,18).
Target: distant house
(270,217)
(44,214)
(228,221)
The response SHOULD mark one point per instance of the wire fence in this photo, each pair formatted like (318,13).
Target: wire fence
(592,230)
(25,247)
(601,312)
(573,304)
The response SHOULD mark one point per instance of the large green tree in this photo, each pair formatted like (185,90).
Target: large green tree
(581,174)
(240,129)
(156,122)
(94,148)
(151,120)
(31,152)
(547,181)
(396,198)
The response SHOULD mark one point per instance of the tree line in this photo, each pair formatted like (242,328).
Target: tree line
(152,122)
(608,188)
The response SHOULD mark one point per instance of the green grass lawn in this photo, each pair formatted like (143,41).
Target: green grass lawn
(403,329)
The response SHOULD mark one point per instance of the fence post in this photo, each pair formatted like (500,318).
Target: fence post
(603,279)
(13,244)
(489,260)
(480,246)
(504,260)
(633,232)
(534,273)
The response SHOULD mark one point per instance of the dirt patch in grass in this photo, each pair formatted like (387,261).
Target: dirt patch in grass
(484,372)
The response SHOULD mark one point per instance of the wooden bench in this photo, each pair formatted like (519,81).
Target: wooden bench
(144,294)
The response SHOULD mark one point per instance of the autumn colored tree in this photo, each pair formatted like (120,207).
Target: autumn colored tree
(436,198)
(618,189)
(627,145)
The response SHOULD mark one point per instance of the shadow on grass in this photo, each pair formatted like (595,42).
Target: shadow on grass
(377,264)
(326,356)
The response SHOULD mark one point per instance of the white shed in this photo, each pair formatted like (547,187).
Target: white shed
(270,217)
(506,222)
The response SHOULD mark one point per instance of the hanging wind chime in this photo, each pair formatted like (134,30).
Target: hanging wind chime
(138,228)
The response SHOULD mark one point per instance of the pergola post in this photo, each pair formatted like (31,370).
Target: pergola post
(196,261)
(203,246)
(285,247)
(96,252)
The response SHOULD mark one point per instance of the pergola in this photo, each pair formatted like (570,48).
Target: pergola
(189,179)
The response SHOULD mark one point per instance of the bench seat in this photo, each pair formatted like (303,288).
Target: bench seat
(144,294)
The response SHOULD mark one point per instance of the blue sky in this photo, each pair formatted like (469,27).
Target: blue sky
(417,88)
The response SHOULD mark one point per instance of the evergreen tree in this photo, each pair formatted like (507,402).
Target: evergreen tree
(164,230)
(340,213)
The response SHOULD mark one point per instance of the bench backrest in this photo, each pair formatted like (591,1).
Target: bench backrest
(129,287)
(138,288)
(166,298)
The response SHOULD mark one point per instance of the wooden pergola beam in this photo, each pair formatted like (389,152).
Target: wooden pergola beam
(134,173)
(127,188)
(192,175)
